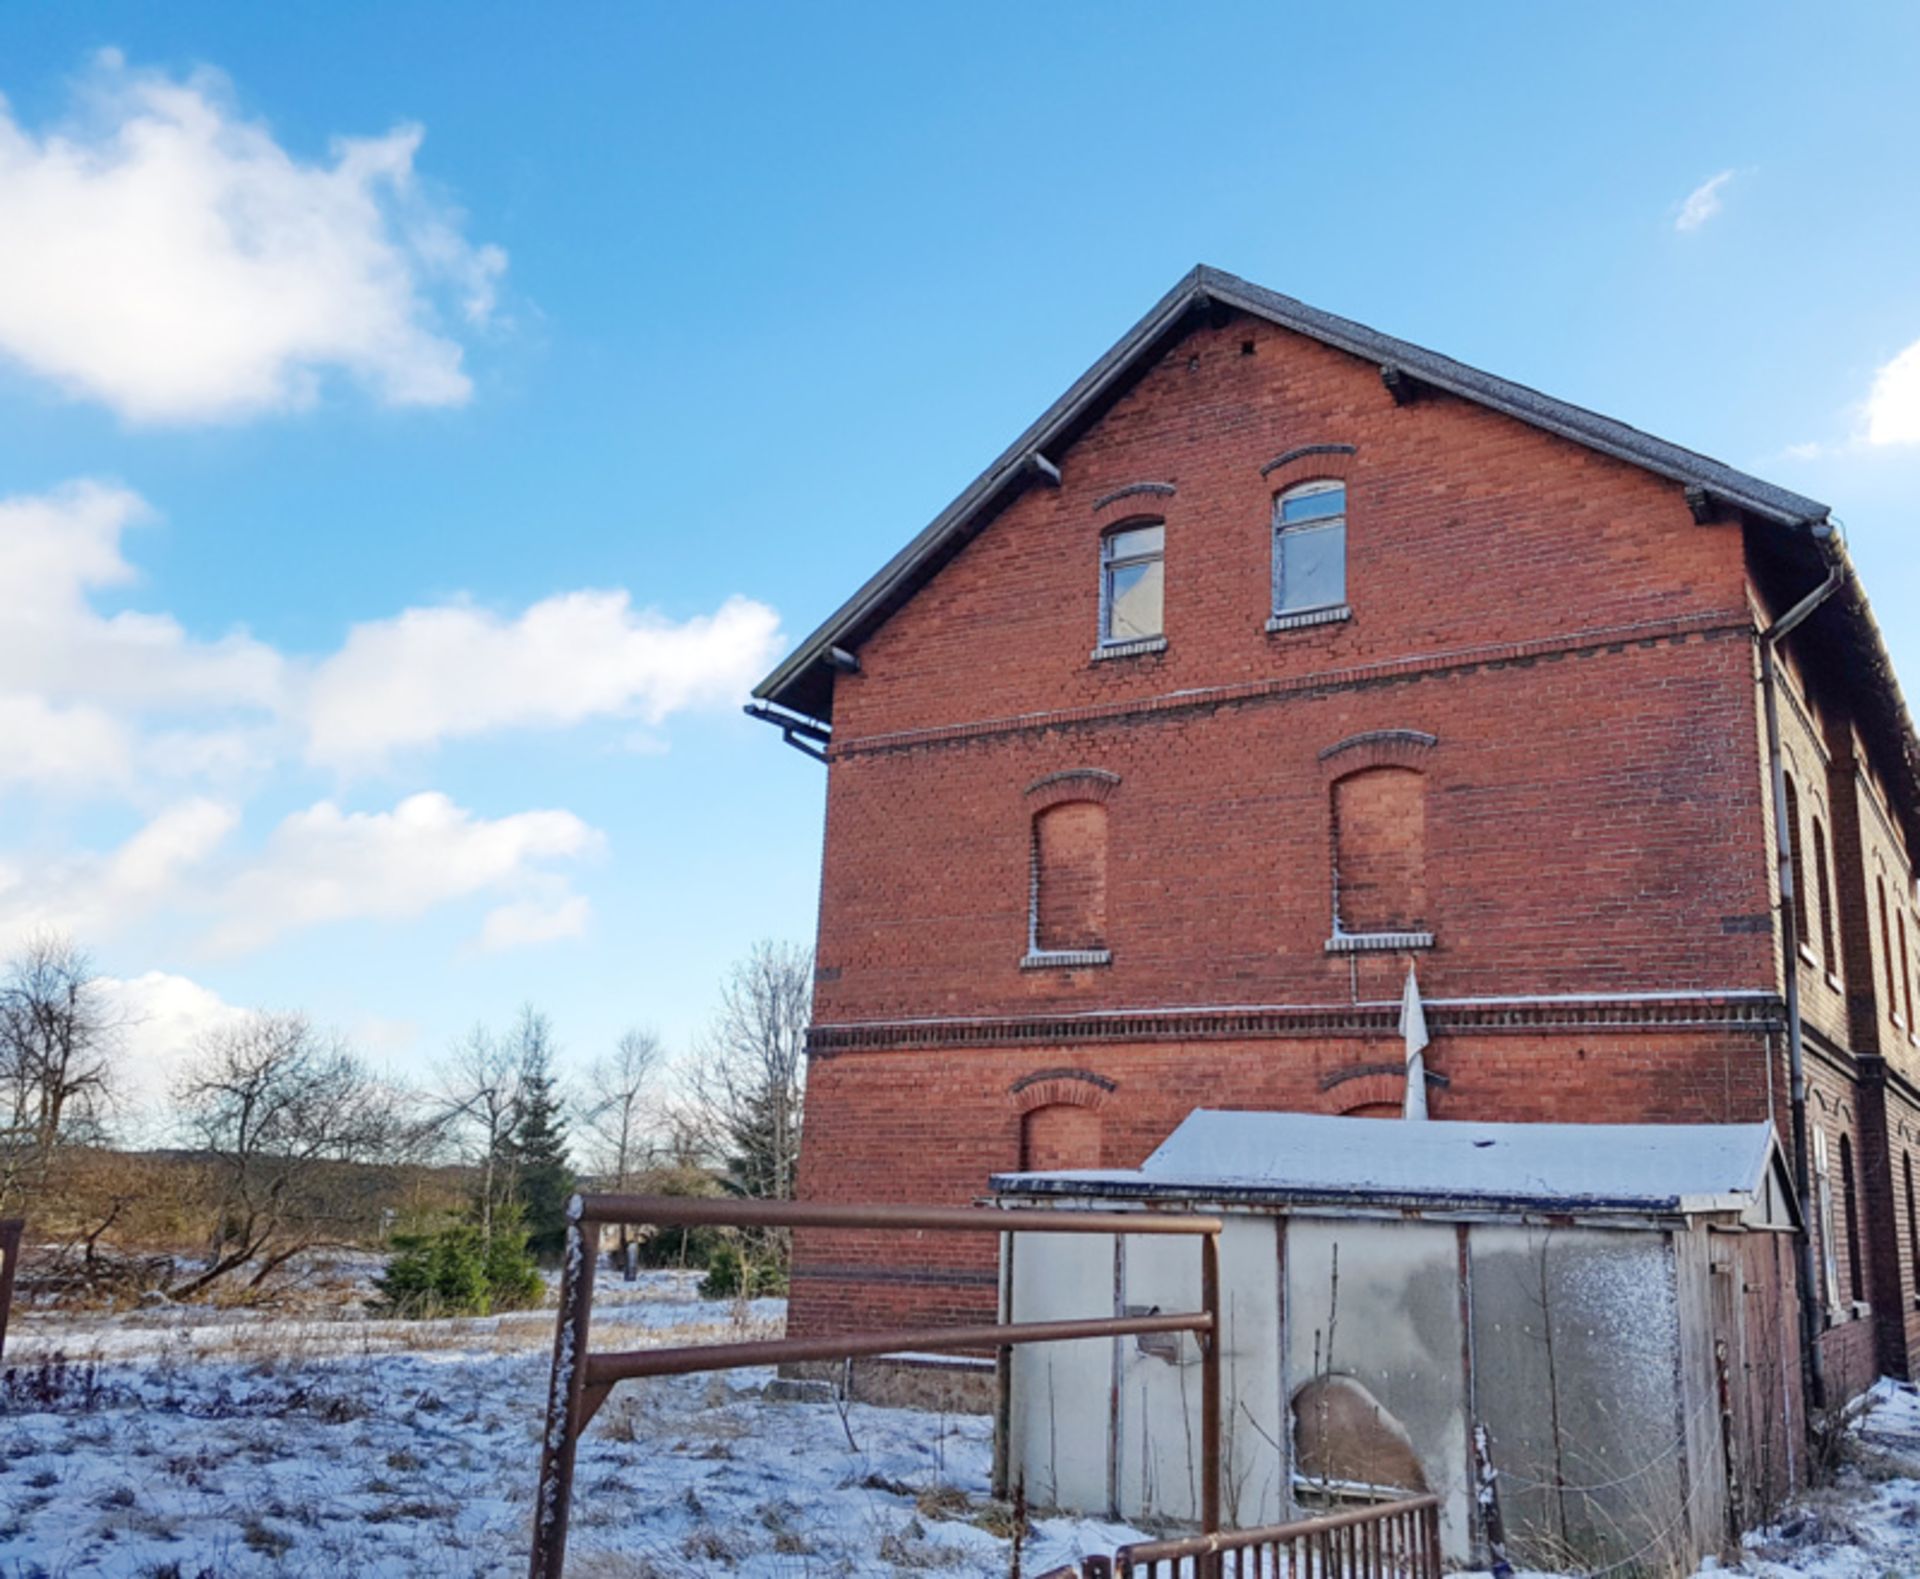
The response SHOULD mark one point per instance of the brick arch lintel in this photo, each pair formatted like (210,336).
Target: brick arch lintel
(1377,748)
(1060,1088)
(1134,490)
(1365,1085)
(1308,462)
(1095,784)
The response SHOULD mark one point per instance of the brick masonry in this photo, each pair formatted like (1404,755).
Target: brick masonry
(1529,755)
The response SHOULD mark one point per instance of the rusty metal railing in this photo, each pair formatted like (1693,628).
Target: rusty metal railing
(10,1232)
(1394,1540)
(582,1379)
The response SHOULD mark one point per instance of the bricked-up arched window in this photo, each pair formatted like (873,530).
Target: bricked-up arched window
(1906,969)
(1913,1226)
(1823,891)
(1069,898)
(1850,1206)
(1886,949)
(1380,852)
(1801,899)
(1061,1135)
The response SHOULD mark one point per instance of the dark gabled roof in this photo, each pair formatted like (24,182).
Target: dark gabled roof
(803,684)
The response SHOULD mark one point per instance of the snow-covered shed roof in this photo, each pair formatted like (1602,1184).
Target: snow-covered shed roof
(1640,1168)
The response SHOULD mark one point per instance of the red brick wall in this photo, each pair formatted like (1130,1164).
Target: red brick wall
(1592,824)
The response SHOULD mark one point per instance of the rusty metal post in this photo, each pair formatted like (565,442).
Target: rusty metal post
(1210,1566)
(10,1232)
(565,1417)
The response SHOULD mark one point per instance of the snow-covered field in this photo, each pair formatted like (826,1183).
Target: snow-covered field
(179,1444)
(190,1444)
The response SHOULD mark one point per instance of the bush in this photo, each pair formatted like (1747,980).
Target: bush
(455,1272)
(733,1274)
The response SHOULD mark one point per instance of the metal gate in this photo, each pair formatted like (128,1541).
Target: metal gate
(1396,1540)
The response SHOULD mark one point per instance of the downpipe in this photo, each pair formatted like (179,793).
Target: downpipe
(1813,1372)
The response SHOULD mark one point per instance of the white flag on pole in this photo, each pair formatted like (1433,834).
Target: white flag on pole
(1413,1026)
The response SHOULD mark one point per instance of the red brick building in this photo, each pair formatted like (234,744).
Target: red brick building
(1280,653)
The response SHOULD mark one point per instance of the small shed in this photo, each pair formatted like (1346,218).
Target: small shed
(1611,1306)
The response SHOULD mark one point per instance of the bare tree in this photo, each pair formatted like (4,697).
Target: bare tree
(58,1040)
(284,1115)
(749,1074)
(479,1096)
(618,1112)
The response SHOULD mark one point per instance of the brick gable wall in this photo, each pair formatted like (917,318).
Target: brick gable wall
(1542,635)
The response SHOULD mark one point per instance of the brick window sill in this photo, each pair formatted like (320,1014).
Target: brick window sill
(1808,957)
(1065,959)
(1306,617)
(1833,981)
(1377,942)
(1129,649)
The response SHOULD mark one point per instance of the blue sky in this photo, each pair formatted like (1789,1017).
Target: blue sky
(470,401)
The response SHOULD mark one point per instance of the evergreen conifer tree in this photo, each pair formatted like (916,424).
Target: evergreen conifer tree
(536,1144)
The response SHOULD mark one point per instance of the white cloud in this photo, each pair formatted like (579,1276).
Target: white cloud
(436,674)
(105,701)
(92,894)
(58,747)
(160,1018)
(57,551)
(1892,414)
(170,259)
(534,921)
(319,865)
(325,865)
(1702,203)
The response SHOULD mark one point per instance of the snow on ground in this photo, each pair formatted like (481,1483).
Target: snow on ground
(172,1444)
(195,1443)
(1867,1524)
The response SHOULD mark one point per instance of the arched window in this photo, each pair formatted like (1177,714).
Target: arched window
(1133,583)
(1906,969)
(1380,852)
(1310,547)
(1886,949)
(1823,884)
(1800,897)
(1850,1205)
(1060,1135)
(1823,1220)
(1067,913)
(1913,1226)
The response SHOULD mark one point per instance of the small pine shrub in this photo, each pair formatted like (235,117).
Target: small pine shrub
(455,1272)
(733,1274)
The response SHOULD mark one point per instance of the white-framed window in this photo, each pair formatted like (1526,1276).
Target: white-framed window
(1133,583)
(1310,548)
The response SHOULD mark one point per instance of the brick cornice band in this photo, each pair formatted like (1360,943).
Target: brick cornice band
(1463,660)
(1755,1012)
